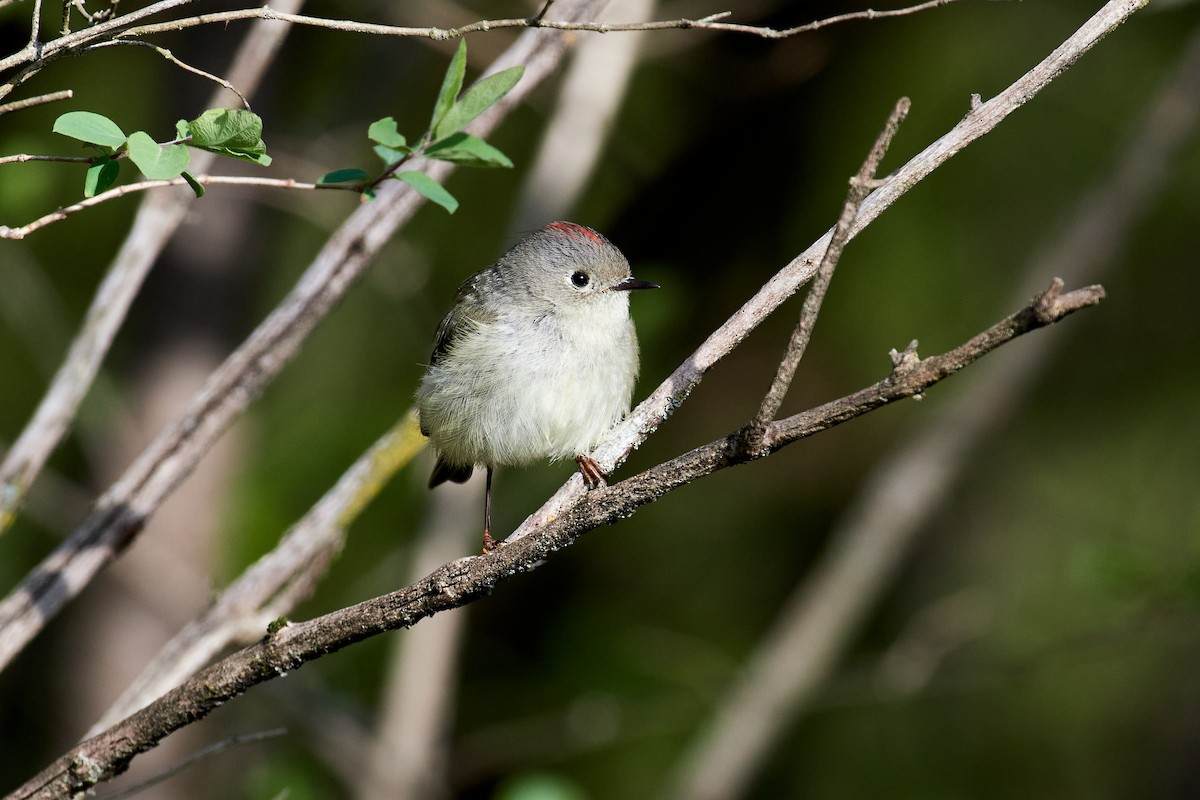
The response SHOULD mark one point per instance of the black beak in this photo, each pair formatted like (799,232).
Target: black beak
(631,283)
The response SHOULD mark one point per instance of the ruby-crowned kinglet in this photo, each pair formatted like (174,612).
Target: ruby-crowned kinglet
(535,359)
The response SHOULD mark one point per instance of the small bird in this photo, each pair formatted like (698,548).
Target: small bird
(536,359)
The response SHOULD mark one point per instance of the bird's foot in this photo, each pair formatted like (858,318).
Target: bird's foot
(593,476)
(489,544)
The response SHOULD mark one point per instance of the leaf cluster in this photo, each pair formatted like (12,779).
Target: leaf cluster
(445,139)
(231,132)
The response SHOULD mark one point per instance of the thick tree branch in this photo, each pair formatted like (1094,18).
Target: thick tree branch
(458,583)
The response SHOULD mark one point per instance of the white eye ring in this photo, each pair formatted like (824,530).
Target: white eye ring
(580,279)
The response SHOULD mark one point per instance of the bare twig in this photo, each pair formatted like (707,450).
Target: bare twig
(860,185)
(21,158)
(142,186)
(910,485)
(710,22)
(41,99)
(38,57)
(35,27)
(120,513)
(225,745)
(458,583)
(169,56)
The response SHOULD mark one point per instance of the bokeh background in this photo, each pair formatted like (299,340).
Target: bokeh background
(1038,639)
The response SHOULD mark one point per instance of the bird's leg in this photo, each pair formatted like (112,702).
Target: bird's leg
(489,544)
(593,476)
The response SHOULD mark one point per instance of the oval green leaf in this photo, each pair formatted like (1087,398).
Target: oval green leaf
(233,128)
(451,84)
(343,176)
(429,188)
(157,162)
(100,176)
(92,128)
(385,132)
(463,148)
(477,100)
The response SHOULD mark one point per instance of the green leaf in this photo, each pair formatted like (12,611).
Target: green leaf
(157,162)
(477,100)
(92,128)
(260,158)
(463,148)
(234,128)
(343,176)
(451,85)
(197,187)
(385,132)
(388,155)
(430,188)
(231,132)
(100,175)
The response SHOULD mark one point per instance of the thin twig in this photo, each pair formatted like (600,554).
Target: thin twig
(711,22)
(860,185)
(124,26)
(41,99)
(142,186)
(231,743)
(35,27)
(289,646)
(21,158)
(169,56)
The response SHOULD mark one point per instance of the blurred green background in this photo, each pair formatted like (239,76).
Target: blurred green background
(1058,588)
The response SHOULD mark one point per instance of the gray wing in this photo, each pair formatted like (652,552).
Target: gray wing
(468,306)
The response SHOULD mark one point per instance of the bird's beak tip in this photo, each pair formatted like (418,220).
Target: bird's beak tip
(631,283)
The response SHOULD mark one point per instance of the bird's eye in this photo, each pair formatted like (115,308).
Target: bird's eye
(580,279)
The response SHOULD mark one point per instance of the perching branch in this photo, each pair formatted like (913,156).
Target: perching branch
(981,119)
(289,646)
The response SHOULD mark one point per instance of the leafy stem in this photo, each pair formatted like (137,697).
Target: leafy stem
(444,140)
